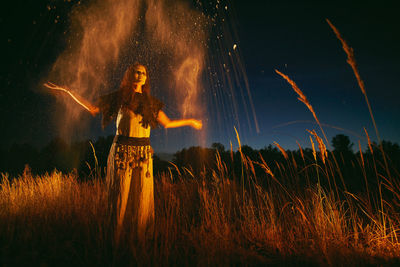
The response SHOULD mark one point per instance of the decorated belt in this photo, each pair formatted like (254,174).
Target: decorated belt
(132,141)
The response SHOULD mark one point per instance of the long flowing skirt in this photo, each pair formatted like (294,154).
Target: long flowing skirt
(131,197)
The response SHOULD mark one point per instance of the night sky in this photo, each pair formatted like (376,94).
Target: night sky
(291,36)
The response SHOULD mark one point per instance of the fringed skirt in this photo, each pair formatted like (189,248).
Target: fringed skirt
(130,183)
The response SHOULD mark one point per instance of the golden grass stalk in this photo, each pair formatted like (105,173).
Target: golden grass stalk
(301,150)
(321,145)
(361,154)
(265,166)
(302,97)
(364,173)
(350,57)
(313,149)
(231,152)
(243,161)
(282,150)
(238,139)
(369,141)
(352,62)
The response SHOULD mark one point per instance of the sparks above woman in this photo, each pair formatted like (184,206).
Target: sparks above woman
(130,163)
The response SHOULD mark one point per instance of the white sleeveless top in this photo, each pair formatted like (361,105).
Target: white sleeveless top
(128,124)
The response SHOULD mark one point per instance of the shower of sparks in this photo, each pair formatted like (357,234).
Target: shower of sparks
(194,60)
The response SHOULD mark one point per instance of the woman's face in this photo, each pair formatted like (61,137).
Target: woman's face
(139,75)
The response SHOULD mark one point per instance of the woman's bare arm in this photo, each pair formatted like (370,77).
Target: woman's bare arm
(78,99)
(167,123)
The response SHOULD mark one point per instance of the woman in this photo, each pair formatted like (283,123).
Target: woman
(130,163)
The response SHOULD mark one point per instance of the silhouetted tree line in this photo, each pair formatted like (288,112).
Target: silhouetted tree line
(353,168)
(56,155)
(80,156)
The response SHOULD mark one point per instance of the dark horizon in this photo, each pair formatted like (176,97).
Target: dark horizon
(82,156)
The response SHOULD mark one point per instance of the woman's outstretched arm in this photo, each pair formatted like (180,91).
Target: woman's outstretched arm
(78,99)
(167,123)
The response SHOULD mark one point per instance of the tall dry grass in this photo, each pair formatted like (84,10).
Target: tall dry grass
(210,219)
(49,218)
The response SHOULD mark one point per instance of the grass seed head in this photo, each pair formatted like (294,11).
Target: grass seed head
(282,150)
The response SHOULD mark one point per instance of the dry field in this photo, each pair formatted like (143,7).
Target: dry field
(211,219)
(289,213)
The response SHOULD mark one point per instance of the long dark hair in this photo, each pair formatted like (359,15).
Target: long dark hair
(143,104)
(127,80)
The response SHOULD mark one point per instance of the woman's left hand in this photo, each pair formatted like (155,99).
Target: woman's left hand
(197,124)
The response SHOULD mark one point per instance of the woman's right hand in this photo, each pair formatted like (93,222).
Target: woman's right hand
(55,86)
(80,100)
